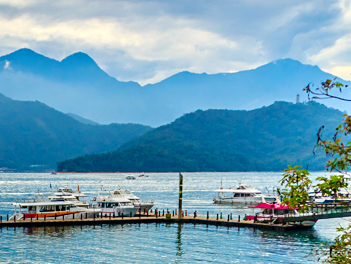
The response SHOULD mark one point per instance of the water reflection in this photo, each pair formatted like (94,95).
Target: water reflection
(179,251)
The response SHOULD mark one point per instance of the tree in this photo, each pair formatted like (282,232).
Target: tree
(296,185)
(340,249)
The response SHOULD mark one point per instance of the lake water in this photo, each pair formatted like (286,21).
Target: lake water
(155,243)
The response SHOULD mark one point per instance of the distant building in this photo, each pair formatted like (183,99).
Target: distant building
(297,98)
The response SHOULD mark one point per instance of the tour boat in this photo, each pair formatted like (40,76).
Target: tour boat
(113,205)
(142,206)
(243,194)
(49,209)
(70,198)
(272,212)
(69,191)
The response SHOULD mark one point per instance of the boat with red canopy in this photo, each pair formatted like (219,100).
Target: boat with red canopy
(272,212)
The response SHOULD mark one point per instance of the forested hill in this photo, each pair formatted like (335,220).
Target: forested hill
(35,137)
(265,139)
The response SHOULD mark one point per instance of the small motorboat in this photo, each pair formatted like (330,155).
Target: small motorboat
(130,177)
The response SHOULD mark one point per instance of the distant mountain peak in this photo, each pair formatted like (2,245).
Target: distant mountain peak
(79,58)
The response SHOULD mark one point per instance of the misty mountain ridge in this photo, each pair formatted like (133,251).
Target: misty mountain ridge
(34,134)
(77,85)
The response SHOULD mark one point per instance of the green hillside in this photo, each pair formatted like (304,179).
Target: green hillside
(265,139)
(33,135)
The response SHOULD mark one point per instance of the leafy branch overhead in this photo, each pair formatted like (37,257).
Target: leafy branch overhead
(340,249)
(325,90)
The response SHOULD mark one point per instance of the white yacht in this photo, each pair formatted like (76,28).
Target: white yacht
(45,208)
(243,194)
(140,205)
(110,204)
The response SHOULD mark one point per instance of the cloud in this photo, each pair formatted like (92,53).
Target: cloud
(7,65)
(147,41)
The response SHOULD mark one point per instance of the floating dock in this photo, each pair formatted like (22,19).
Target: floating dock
(151,218)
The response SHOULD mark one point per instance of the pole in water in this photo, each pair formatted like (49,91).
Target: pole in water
(180,194)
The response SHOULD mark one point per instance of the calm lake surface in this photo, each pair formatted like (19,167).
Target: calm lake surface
(155,243)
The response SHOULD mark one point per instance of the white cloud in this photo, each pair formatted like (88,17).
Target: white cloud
(147,41)
(7,65)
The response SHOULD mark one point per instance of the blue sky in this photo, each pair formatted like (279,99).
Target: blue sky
(147,41)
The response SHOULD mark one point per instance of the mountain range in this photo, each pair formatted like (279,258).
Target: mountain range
(78,85)
(35,136)
(265,139)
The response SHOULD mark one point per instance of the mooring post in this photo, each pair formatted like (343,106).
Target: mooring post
(24,217)
(220,216)
(37,217)
(180,195)
(14,218)
(44,218)
(175,212)
(63,217)
(94,217)
(147,214)
(239,218)
(73,216)
(1,218)
(159,213)
(110,216)
(217,216)
(208,216)
(31,218)
(81,217)
(163,212)
(130,214)
(186,212)
(7,217)
(228,217)
(55,216)
(122,215)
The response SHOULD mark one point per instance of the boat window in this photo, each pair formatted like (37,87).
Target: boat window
(267,211)
(236,194)
(47,208)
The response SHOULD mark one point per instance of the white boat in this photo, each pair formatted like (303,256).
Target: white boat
(69,191)
(344,194)
(70,198)
(273,212)
(140,205)
(130,177)
(113,205)
(243,194)
(46,208)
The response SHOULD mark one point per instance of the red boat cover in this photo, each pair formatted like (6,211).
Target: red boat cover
(270,206)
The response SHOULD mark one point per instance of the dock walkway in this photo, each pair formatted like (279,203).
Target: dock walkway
(144,219)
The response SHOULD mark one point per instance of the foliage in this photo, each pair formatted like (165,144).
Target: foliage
(296,185)
(331,186)
(340,249)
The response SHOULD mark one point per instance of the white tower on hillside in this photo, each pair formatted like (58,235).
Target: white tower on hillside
(297,98)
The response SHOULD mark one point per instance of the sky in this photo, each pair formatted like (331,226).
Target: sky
(148,41)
